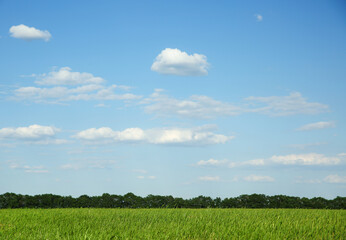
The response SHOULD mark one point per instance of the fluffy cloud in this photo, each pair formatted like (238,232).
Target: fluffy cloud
(36,134)
(64,76)
(286,105)
(202,107)
(29,33)
(316,126)
(175,62)
(33,132)
(335,179)
(209,178)
(196,136)
(255,178)
(305,159)
(85,87)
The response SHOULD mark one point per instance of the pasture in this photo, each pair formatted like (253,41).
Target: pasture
(172,224)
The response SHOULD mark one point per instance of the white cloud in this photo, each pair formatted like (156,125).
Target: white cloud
(86,87)
(259,17)
(209,178)
(195,136)
(175,62)
(64,76)
(194,107)
(305,159)
(32,132)
(212,162)
(335,179)
(316,126)
(255,178)
(29,33)
(286,105)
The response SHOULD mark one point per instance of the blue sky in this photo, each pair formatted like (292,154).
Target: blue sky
(181,98)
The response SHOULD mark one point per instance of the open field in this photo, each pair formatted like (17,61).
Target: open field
(172,224)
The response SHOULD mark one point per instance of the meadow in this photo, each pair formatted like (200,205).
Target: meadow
(93,223)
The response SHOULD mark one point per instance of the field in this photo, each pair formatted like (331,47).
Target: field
(172,224)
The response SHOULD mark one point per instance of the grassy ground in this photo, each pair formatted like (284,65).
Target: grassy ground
(172,224)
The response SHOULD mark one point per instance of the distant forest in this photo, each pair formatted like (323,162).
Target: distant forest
(130,200)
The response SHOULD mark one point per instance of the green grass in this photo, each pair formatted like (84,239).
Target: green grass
(172,224)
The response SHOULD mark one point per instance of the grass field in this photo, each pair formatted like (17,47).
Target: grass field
(172,224)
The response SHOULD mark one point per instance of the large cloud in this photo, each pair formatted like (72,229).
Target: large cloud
(29,33)
(33,134)
(180,136)
(71,86)
(175,62)
(30,132)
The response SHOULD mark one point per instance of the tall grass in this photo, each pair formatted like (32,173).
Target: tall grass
(172,224)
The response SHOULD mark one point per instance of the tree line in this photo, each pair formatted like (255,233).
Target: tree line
(130,200)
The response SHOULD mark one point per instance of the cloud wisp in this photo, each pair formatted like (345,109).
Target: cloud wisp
(29,33)
(209,178)
(204,107)
(259,17)
(171,136)
(176,62)
(200,107)
(27,168)
(310,159)
(335,178)
(316,126)
(293,104)
(80,164)
(257,178)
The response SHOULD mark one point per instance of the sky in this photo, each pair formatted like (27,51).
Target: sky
(181,98)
